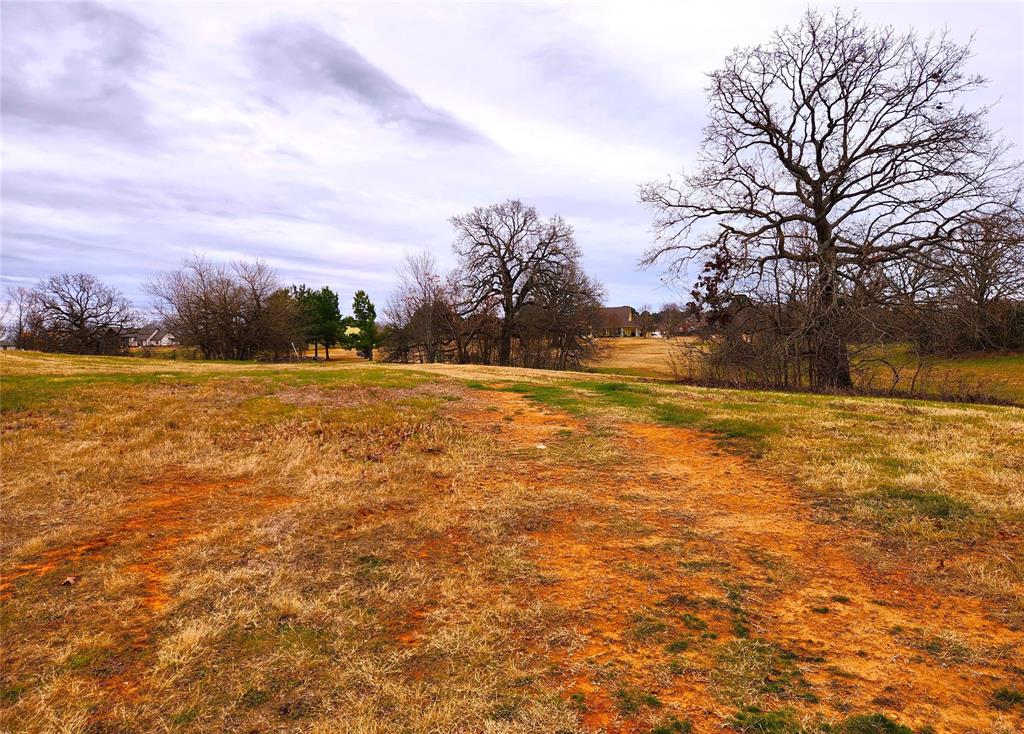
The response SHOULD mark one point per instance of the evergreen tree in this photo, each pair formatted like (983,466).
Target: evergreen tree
(321,317)
(361,327)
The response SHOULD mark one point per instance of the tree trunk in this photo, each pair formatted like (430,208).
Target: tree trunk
(831,363)
(505,347)
(830,357)
(327,352)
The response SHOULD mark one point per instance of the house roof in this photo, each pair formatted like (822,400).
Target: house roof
(143,332)
(151,332)
(618,317)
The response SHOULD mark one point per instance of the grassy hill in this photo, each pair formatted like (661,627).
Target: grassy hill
(210,546)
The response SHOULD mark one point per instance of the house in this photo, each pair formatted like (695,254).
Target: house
(149,336)
(619,321)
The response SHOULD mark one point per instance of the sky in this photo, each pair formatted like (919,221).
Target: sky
(332,140)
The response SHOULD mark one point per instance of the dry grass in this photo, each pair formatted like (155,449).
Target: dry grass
(999,377)
(635,357)
(211,547)
(249,553)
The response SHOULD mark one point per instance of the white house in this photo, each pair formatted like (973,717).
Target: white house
(150,336)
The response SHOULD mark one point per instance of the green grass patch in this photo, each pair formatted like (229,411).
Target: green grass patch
(872,724)
(740,428)
(752,720)
(632,701)
(693,622)
(934,505)
(673,726)
(646,626)
(748,668)
(678,416)
(22,392)
(619,394)
(9,694)
(1004,698)
(550,395)
(745,433)
(678,645)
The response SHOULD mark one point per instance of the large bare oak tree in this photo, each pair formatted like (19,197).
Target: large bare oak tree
(506,253)
(77,313)
(841,147)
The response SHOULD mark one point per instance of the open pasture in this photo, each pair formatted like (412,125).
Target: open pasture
(998,376)
(366,548)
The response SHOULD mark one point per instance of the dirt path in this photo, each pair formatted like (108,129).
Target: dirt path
(697,584)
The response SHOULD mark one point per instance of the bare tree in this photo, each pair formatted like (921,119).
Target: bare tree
(236,311)
(520,295)
(853,136)
(556,329)
(17,315)
(196,303)
(418,311)
(984,279)
(264,322)
(76,313)
(671,320)
(506,252)
(647,320)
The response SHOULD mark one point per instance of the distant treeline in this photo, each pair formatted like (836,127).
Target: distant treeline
(518,296)
(240,310)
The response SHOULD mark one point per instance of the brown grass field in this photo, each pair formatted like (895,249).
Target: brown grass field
(210,547)
(635,357)
(1000,376)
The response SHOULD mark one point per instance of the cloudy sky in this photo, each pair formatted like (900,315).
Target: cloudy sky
(330,140)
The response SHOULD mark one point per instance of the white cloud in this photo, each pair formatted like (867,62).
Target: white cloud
(197,138)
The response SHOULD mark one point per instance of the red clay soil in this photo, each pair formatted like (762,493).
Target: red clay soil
(166,515)
(169,514)
(671,537)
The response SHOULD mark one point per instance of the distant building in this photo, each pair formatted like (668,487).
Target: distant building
(149,336)
(619,321)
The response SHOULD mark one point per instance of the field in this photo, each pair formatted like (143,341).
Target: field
(1000,376)
(211,547)
(635,357)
